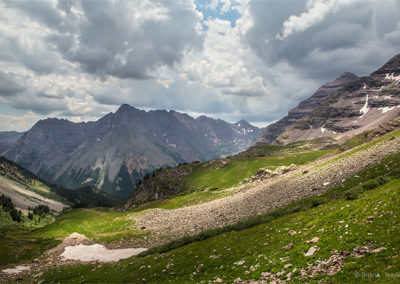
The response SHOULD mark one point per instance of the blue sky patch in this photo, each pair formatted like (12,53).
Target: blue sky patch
(205,7)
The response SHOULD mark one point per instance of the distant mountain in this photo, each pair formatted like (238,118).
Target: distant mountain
(272,131)
(116,151)
(10,136)
(360,105)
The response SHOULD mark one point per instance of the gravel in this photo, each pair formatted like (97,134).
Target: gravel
(261,196)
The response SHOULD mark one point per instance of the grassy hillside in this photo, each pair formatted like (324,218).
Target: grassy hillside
(87,196)
(356,223)
(14,250)
(27,180)
(100,224)
(197,182)
(197,179)
(360,232)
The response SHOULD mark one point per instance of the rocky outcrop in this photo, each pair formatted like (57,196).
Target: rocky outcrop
(116,151)
(265,173)
(305,107)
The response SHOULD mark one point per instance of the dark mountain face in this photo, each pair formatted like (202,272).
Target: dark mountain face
(116,151)
(360,105)
(10,136)
(272,131)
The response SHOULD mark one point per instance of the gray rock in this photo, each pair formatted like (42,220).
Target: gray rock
(311,251)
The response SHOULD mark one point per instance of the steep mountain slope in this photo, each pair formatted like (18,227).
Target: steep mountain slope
(360,105)
(209,180)
(10,136)
(25,189)
(116,151)
(272,131)
(7,138)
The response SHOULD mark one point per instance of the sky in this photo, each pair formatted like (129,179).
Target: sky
(227,59)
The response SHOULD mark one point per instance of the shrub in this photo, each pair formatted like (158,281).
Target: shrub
(41,210)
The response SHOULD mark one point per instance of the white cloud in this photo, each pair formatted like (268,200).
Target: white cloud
(81,59)
(18,123)
(317,10)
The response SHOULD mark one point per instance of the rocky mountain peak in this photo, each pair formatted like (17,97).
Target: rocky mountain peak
(52,123)
(347,75)
(392,67)
(125,108)
(360,105)
(243,123)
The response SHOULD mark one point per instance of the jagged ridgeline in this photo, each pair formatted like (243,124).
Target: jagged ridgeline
(346,109)
(115,152)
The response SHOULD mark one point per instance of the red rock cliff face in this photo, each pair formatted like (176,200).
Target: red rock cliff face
(305,107)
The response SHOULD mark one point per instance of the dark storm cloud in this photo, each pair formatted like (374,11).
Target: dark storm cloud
(33,57)
(9,85)
(351,38)
(39,103)
(125,39)
(42,11)
(111,41)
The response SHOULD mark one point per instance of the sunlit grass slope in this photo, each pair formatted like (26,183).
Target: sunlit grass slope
(341,225)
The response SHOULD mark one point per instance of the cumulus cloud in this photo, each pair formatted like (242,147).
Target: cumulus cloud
(228,59)
(21,122)
(322,39)
(128,39)
(9,85)
(316,12)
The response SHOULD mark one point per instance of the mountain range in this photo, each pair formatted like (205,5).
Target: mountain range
(115,152)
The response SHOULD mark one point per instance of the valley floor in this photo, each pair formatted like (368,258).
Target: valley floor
(335,219)
(355,241)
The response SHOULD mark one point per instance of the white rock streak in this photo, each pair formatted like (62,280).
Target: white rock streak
(365,108)
(16,270)
(392,77)
(387,109)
